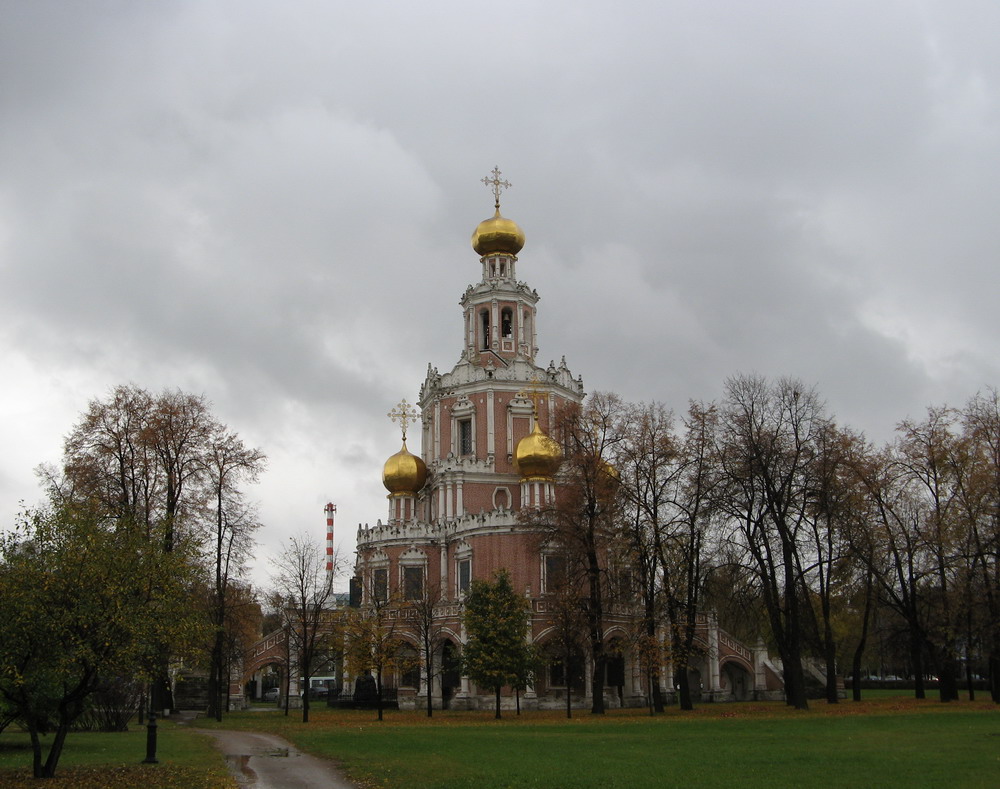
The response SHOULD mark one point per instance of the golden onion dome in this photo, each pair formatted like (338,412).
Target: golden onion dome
(404,473)
(537,455)
(497,236)
(610,470)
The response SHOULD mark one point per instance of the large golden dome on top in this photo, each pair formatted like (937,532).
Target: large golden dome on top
(537,456)
(497,236)
(404,473)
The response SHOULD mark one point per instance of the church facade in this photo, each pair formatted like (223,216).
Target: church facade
(485,456)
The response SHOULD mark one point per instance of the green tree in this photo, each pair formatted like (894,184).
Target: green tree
(84,599)
(496,620)
(164,463)
(374,640)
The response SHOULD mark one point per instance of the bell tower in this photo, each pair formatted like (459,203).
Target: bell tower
(499,311)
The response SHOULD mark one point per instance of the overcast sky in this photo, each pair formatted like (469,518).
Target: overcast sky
(270,203)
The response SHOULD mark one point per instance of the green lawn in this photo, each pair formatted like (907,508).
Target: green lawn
(883,742)
(887,742)
(113,761)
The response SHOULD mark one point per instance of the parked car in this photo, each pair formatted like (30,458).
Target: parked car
(272,694)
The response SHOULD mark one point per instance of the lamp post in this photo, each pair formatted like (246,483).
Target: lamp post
(151,737)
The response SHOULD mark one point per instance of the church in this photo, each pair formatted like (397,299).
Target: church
(453,506)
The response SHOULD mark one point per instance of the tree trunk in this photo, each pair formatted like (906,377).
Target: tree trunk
(55,750)
(215,677)
(993,664)
(567,656)
(859,651)
(832,695)
(36,750)
(947,674)
(683,686)
(917,659)
(305,670)
(596,620)
(597,683)
(497,716)
(428,659)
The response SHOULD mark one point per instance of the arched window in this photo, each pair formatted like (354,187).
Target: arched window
(484,320)
(507,323)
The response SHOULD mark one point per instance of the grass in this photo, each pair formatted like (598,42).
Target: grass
(113,761)
(889,741)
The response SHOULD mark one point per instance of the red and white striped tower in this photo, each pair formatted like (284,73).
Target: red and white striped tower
(330,509)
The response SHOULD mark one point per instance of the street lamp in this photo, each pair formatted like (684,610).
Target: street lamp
(151,735)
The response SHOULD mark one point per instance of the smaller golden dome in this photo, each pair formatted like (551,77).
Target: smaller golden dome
(404,473)
(537,455)
(610,471)
(498,236)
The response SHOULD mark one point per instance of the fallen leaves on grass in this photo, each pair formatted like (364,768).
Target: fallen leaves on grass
(159,776)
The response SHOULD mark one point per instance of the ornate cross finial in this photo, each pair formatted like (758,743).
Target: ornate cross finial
(496,184)
(404,414)
(534,392)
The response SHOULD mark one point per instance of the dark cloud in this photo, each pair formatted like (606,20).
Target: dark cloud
(271,205)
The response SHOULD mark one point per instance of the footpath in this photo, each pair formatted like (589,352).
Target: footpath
(266,761)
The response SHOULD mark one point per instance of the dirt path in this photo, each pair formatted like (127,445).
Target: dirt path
(263,761)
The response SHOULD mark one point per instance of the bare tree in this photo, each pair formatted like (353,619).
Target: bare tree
(305,588)
(768,446)
(587,510)
(682,548)
(647,461)
(425,626)
(981,427)
(228,462)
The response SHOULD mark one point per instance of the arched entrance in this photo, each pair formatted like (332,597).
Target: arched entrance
(738,681)
(614,670)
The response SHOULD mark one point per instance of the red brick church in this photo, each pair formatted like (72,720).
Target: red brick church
(485,455)
(454,512)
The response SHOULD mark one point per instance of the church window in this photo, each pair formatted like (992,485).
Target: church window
(380,584)
(501,498)
(464,575)
(413,582)
(503,268)
(555,572)
(465,437)
(484,319)
(409,660)
(563,675)
(507,323)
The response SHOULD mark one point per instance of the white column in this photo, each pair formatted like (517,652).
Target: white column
(490,426)
(495,321)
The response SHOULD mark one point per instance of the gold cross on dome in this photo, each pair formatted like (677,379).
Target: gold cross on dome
(496,184)
(404,414)
(534,392)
